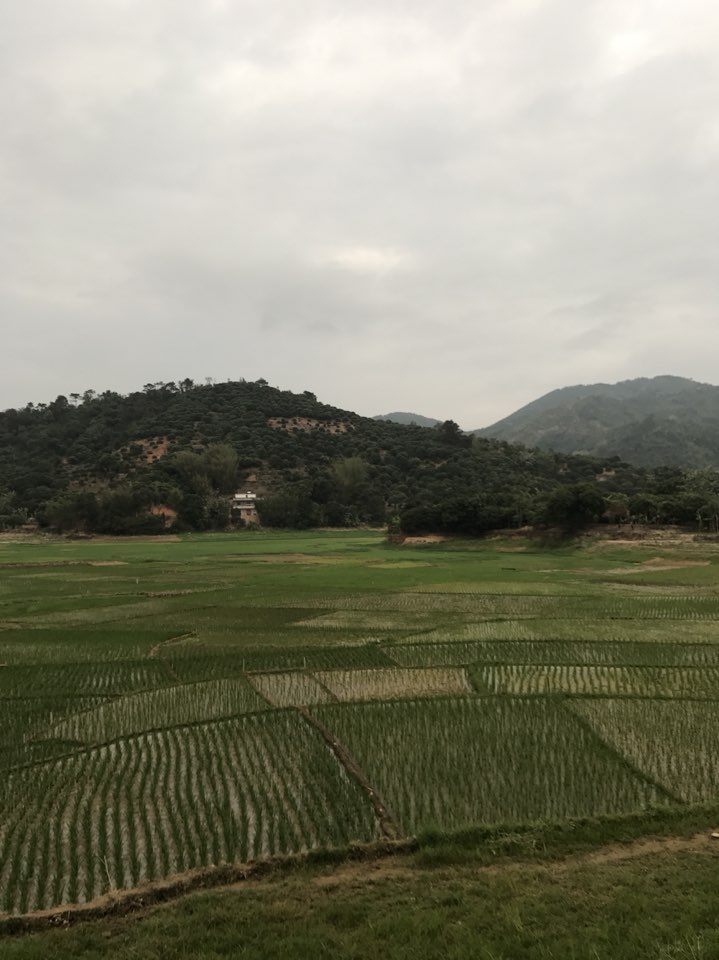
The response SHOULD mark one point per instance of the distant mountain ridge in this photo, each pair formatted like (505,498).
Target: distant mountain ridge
(407,419)
(108,463)
(659,421)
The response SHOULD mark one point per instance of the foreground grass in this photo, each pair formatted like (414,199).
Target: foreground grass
(660,905)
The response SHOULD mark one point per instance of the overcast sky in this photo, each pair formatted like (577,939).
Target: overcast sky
(427,205)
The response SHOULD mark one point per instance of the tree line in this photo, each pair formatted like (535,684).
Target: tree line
(109,463)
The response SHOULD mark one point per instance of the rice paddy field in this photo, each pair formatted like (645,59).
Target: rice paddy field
(178,703)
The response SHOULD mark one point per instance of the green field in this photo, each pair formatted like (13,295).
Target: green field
(181,703)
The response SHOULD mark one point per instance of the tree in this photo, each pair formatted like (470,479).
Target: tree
(221,467)
(349,474)
(450,433)
(574,507)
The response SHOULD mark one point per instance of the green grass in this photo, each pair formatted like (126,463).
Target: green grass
(659,907)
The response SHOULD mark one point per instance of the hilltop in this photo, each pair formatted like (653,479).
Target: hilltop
(662,421)
(408,418)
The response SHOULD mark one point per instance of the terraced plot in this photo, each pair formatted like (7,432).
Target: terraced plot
(618,629)
(393,683)
(556,652)
(521,606)
(153,714)
(290,689)
(164,802)
(232,664)
(25,723)
(111,642)
(673,741)
(453,762)
(184,703)
(590,679)
(83,679)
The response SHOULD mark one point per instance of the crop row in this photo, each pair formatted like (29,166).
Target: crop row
(519,606)
(673,741)
(82,642)
(617,630)
(83,679)
(392,683)
(585,679)
(24,723)
(161,803)
(291,689)
(231,664)
(168,706)
(555,652)
(365,619)
(453,762)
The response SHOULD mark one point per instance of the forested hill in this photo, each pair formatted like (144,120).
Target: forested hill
(650,422)
(123,464)
(408,418)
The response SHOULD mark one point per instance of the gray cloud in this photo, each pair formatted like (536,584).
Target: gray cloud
(444,207)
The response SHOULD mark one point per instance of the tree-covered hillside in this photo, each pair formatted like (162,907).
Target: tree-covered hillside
(650,422)
(121,464)
(398,416)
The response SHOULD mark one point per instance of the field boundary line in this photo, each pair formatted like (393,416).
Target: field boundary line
(333,696)
(561,698)
(260,694)
(154,651)
(122,902)
(388,823)
(566,705)
(99,745)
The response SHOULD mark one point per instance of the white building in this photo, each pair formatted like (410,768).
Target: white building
(243,508)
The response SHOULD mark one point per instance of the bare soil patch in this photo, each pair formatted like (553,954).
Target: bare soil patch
(614,853)
(308,424)
(160,538)
(153,448)
(600,538)
(419,541)
(664,563)
(304,558)
(352,872)
(659,564)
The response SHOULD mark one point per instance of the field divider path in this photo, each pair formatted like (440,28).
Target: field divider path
(389,825)
(154,652)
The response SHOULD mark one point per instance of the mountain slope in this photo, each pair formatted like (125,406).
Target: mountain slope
(121,464)
(669,421)
(408,418)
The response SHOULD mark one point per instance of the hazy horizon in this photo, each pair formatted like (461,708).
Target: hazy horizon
(366,412)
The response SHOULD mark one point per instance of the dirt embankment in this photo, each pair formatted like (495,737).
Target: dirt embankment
(360,862)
